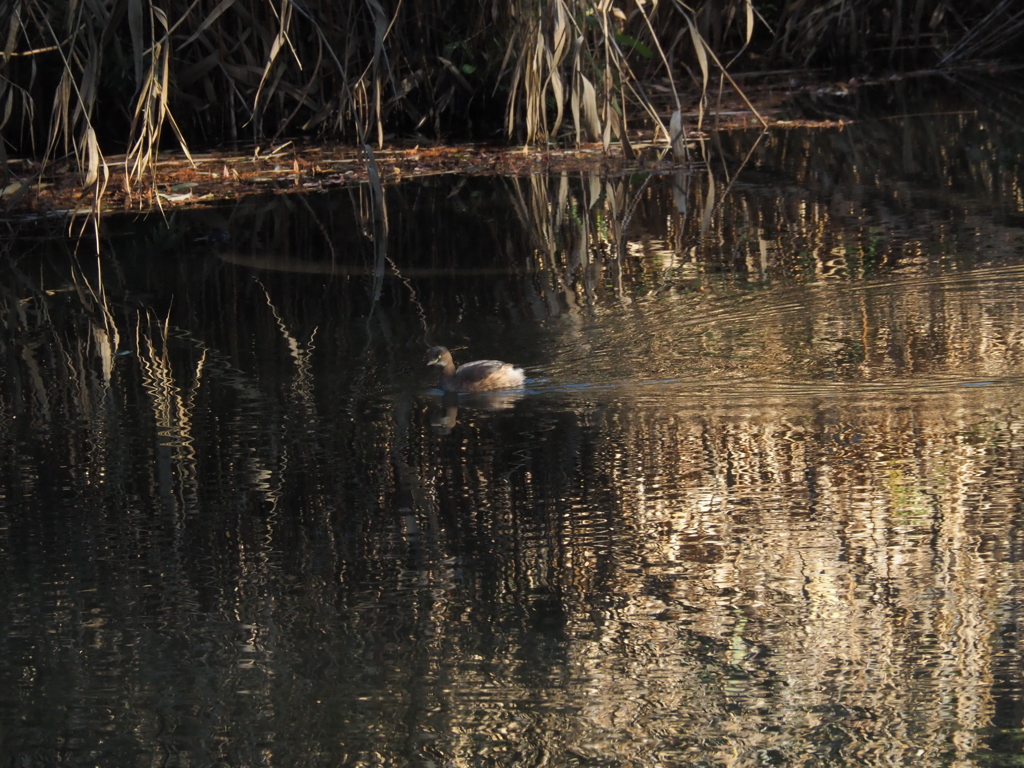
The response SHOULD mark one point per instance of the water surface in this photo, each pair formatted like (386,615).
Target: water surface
(758,504)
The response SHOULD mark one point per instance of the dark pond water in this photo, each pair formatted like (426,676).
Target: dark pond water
(760,502)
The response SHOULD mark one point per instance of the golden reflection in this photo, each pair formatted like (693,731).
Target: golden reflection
(767,510)
(172,409)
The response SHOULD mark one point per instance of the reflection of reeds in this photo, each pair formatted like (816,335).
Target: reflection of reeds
(172,404)
(46,366)
(583,238)
(826,574)
(578,228)
(301,354)
(760,563)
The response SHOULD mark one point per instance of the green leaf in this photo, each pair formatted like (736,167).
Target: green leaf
(468,69)
(628,42)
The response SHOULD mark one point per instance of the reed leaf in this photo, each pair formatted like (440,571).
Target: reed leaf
(677,136)
(212,17)
(591,119)
(700,48)
(135,21)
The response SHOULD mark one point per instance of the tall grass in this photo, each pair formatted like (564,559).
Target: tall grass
(880,33)
(120,80)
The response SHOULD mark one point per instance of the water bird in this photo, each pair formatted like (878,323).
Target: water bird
(478,376)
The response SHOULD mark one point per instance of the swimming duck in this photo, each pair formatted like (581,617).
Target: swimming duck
(478,376)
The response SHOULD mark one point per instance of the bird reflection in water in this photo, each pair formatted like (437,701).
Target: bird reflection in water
(444,420)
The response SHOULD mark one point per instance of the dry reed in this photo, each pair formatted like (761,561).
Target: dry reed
(91,81)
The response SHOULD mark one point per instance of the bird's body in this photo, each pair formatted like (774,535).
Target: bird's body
(478,376)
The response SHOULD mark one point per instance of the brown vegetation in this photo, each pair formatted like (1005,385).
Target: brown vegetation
(85,82)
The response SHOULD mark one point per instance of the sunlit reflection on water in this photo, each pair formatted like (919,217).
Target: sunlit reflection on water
(766,514)
(771,566)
